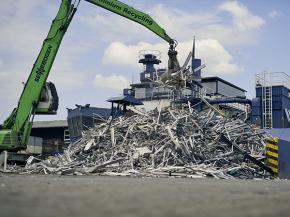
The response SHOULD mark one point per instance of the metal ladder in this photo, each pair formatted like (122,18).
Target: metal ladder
(267,107)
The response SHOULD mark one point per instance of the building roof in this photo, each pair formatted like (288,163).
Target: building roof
(128,99)
(50,124)
(89,111)
(214,79)
(143,85)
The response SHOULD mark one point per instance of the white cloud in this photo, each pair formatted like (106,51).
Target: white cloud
(118,53)
(273,14)
(218,60)
(181,24)
(66,77)
(243,19)
(3,75)
(211,24)
(214,33)
(20,33)
(114,82)
(216,57)
(106,27)
(12,75)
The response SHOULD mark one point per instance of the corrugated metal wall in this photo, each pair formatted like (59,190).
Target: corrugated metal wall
(280,102)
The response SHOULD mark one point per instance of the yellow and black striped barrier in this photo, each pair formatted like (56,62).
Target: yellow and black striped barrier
(272,154)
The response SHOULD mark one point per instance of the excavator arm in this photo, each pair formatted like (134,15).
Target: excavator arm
(130,13)
(15,131)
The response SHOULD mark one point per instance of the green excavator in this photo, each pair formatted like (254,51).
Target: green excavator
(39,96)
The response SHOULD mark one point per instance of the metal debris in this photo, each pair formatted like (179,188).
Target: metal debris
(161,143)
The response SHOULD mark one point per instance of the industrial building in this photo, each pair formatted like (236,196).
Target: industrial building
(271,107)
(216,86)
(270,111)
(47,138)
(222,94)
(53,135)
(83,117)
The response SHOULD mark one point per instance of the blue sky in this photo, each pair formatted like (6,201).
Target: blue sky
(99,53)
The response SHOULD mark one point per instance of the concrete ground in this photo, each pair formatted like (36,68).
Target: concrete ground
(43,196)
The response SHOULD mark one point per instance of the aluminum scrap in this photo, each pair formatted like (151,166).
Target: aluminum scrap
(177,142)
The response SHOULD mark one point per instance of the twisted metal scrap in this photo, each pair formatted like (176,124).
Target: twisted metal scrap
(171,142)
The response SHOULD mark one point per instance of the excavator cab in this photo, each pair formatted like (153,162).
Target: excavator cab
(14,140)
(48,102)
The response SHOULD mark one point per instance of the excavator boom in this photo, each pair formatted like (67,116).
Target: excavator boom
(127,11)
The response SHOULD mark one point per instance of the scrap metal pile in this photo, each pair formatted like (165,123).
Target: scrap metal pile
(169,142)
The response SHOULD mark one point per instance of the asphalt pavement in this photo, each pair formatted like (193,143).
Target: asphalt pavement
(43,196)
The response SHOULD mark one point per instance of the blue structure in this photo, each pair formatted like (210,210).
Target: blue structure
(196,74)
(149,73)
(195,63)
(151,94)
(256,113)
(122,102)
(83,117)
(284,159)
(147,90)
(280,106)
